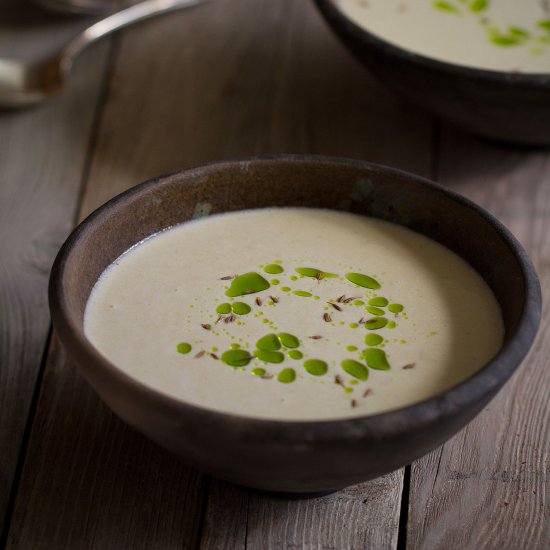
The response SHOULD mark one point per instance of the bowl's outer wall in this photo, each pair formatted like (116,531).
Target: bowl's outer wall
(282,456)
(505,106)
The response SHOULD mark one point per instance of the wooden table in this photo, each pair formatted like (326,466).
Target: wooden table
(231,79)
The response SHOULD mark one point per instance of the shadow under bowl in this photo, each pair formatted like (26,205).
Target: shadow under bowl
(295,456)
(507,106)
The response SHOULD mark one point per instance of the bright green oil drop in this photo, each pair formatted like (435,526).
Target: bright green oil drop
(273,269)
(269,342)
(442,5)
(376,359)
(315,367)
(375,310)
(379,301)
(236,357)
(395,308)
(353,325)
(373,339)
(348,390)
(235,346)
(358,303)
(240,308)
(269,356)
(353,382)
(258,371)
(351,348)
(184,347)
(286,376)
(302,293)
(391,324)
(362,280)
(288,340)
(293,278)
(355,369)
(375,323)
(285,288)
(224,309)
(315,273)
(249,283)
(295,354)
(275,281)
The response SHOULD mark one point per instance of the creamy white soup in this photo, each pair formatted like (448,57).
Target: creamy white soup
(501,35)
(294,313)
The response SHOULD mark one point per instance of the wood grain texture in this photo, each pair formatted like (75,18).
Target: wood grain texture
(231,79)
(42,159)
(362,516)
(489,487)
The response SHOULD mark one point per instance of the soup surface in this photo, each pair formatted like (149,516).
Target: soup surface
(294,313)
(501,35)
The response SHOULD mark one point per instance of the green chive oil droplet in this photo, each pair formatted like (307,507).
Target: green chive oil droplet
(378,301)
(249,283)
(184,347)
(240,308)
(224,309)
(236,357)
(315,367)
(273,269)
(395,308)
(288,340)
(269,356)
(363,280)
(376,359)
(355,369)
(375,323)
(373,310)
(258,371)
(269,342)
(286,376)
(373,339)
(302,293)
(295,354)
(315,273)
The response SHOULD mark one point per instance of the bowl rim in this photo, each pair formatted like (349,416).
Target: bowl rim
(509,78)
(481,385)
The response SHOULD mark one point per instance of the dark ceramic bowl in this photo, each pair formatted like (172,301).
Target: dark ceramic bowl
(295,456)
(506,106)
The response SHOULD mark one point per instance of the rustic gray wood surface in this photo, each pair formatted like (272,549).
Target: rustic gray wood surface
(231,79)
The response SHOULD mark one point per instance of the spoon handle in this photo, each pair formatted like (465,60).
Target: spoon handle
(116,21)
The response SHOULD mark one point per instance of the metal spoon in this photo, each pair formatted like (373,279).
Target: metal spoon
(23,84)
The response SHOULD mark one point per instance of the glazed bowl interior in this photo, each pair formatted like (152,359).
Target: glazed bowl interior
(279,454)
(508,106)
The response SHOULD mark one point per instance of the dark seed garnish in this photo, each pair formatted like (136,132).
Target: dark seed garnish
(368,391)
(219,319)
(206,326)
(338,380)
(228,277)
(266,376)
(316,337)
(274,299)
(327,317)
(200,354)
(214,356)
(341,298)
(353,403)
(319,276)
(362,320)
(410,366)
(335,306)
(258,302)
(229,318)
(348,300)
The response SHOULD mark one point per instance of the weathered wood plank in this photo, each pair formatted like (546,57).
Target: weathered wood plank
(488,487)
(231,79)
(42,158)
